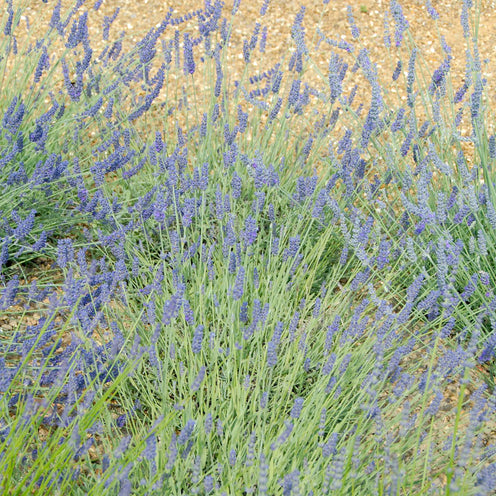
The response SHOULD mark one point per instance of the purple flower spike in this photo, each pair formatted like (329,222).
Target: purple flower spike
(263,475)
(197,339)
(65,252)
(297,406)
(186,432)
(431,10)
(284,436)
(189,62)
(25,226)
(44,63)
(107,22)
(237,291)
(7,31)
(198,379)
(251,230)
(401,23)
(264,7)
(355,32)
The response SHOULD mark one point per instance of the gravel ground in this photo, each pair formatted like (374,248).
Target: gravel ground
(137,17)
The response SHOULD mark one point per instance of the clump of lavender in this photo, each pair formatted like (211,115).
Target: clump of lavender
(223,313)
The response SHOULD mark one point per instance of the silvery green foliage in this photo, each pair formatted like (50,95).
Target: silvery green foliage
(318,274)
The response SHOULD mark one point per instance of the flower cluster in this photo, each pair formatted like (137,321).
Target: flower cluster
(234,297)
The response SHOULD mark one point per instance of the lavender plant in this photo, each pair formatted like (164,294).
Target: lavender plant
(259,296)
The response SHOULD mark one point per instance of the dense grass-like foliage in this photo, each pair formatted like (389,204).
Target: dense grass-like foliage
(222,283)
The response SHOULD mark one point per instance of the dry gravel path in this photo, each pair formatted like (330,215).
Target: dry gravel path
(137,17)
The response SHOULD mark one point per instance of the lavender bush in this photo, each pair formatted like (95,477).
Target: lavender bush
(221,283)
